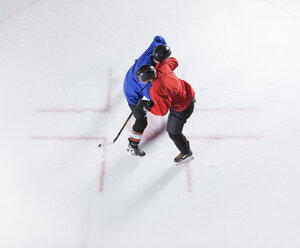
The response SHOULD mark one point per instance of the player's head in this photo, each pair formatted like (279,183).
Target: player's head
(146,73)
(161,52)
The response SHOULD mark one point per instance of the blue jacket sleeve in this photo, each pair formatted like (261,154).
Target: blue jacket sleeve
(158,40)
(132,85)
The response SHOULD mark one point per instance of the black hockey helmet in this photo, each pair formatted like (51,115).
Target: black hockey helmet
(161,52)
(145,73)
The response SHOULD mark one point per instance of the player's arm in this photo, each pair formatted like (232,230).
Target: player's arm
(171,62)
(162,102)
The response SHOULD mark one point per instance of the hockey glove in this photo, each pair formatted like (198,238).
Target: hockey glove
(145,105)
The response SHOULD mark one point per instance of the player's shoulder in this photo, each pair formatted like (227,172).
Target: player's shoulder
(160,39)
(162,67)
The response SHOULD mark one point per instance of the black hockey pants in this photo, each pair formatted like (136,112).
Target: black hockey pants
(176,121)
(140,119)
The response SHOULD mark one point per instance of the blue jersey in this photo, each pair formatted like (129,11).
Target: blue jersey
(132,86)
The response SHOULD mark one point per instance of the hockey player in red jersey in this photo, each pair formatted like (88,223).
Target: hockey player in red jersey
(169,93)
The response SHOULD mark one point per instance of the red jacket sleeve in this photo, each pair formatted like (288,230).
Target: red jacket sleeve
(162,102)
(172,63)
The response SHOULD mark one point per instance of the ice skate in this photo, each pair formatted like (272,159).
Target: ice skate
(135,151)
(182,158)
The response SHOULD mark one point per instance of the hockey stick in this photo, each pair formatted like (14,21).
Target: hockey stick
(115,139)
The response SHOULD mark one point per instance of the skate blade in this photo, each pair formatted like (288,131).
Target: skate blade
(184,161)
(132,154)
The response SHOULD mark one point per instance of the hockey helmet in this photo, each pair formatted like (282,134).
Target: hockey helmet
(145,73)
(161,52)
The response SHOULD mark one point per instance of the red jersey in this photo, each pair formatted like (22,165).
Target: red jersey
(169,91)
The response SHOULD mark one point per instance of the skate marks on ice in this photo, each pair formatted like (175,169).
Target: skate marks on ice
(69,144)
(135,203)
(104,92)
(283,9)
(18,11)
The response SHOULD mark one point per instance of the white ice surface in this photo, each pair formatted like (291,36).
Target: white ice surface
(62,65)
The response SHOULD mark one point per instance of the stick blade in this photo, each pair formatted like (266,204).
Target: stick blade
(105,144)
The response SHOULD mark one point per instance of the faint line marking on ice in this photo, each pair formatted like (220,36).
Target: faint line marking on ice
(110,81)
(72,111)
(233,109)
(19,11)
(188,177)
(286,11)
(78,138)
(224,137)
(106,109)
(85,110)
(103,165)
(70,138)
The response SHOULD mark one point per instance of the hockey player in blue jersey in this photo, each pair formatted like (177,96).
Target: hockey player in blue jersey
(133,90)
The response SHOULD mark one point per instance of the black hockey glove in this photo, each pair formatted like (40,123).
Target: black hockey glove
(145,105)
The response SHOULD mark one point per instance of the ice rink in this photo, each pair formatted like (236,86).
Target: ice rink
(62,65)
